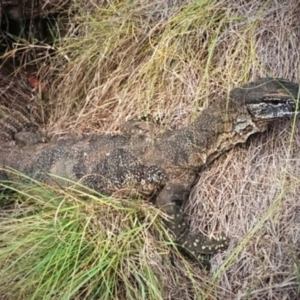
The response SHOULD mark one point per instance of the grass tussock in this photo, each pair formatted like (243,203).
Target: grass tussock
(124,59)
(70,244)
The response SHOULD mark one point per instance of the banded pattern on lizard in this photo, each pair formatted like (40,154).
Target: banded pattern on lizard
(165,166)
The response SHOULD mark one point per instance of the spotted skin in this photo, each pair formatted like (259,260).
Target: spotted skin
(17,129)
(162,166)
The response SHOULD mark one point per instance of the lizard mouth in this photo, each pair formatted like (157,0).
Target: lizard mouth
(272,107)
(269,98)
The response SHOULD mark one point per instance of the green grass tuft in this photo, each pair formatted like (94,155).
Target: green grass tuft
(74,244)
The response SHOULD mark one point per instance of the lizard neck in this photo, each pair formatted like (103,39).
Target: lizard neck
(215,131)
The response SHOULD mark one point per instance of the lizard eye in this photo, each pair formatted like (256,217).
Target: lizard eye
(274,101)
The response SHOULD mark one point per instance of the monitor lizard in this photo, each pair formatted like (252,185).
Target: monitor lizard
(163,167)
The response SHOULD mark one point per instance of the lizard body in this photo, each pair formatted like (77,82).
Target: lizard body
(165,166)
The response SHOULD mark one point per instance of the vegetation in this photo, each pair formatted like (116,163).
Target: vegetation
(75,244)
(116,60)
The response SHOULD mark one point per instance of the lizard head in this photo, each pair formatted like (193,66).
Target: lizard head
(269,98)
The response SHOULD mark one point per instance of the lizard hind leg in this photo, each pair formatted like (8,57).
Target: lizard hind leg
(171,201)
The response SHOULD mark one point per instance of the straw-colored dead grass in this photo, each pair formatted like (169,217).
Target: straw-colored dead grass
(16,94)
(167,59)
(235,194)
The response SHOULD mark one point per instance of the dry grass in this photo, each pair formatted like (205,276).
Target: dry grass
(17,94)
(251,194)
(167,59)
